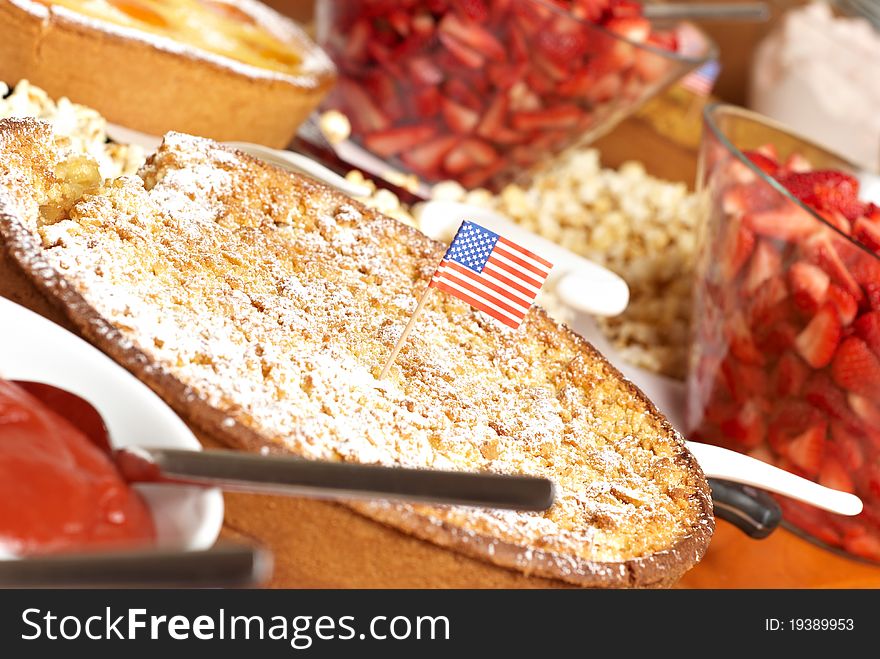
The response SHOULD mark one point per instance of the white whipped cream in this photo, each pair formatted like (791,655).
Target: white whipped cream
(820,74)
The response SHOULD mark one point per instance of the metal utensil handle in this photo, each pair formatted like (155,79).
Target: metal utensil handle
(225,566)
(752,511)
(234,470)
(742,11)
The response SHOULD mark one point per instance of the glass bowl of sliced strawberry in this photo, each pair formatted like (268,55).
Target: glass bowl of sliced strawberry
(785,364)
(482,91)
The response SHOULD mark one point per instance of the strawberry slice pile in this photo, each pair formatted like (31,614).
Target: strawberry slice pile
(787,361)
(479,90)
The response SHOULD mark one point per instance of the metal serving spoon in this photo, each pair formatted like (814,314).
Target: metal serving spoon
(278,474)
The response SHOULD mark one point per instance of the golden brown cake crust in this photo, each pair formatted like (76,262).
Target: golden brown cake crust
(26,152)
(151,84)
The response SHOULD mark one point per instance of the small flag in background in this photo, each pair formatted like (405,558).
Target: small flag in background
(702,80)
(491,273)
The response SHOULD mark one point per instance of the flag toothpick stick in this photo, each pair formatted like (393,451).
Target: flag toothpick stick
(406,330)
(490,273)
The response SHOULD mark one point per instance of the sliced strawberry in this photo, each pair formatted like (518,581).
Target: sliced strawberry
(741,249)
(427,102)
(865,544)
(848,446)
(469,153)
(467,56)
(865,409)
(856,368)
(809,285)
(767,309)
(826,190)
(797,163)
(834,475)
(356,40)
(392,141)
(766,263)
(480,176)
(818,340)
(821,392)
(361,110)
(806,450)
(742,198)
(427,159)
(790,375)
(867,233)
(743,381)
(741,344)
(791,418)
(424,71)
(476,10)
(559,116)
(820,250)
(811,520)
(459,91)
(762,161)
(605,87)
(748,427)
(560,47)
(459,118)
(631,28)
(846,304)
(788,223)
(592,10)
(492,122)
(576,85)
(867,328)
(471,35)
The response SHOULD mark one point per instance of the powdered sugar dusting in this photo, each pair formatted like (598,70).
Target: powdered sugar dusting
(276,304)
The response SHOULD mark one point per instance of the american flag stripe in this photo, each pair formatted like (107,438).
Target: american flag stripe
(522,263)
(477,304)
(492,274)
(499,263)
(529,292)
(516,297)
(522,250)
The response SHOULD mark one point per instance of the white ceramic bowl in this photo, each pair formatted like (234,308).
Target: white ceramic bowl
(33,348)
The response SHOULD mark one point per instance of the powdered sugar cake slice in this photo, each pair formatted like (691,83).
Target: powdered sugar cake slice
(261,304)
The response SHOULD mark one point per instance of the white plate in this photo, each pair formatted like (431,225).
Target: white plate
(33,348)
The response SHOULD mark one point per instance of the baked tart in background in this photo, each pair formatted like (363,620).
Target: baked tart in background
(225,69)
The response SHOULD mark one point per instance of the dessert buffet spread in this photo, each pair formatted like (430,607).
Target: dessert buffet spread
(275,314)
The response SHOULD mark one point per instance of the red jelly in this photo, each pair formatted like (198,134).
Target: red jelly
(58,491)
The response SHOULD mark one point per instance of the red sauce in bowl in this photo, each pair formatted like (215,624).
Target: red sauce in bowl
(58,491)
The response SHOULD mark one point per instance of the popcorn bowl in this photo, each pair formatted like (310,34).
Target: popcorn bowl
(785,363)
(481,92)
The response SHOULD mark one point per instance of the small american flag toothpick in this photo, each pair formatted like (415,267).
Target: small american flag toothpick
(490,273)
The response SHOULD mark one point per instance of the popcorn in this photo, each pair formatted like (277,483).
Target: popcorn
(335,126)
(640,227)
(83,128)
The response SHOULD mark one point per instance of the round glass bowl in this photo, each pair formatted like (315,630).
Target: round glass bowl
(482,98)
(785,363)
